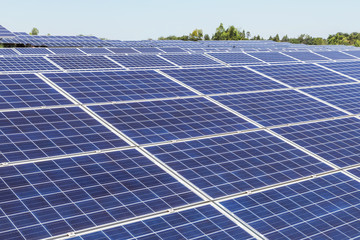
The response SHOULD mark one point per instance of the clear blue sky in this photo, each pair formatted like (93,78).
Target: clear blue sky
(143,19)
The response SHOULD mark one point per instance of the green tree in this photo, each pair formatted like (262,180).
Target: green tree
(196,35)
(220,33)
(34,31)
(276,38)
(206,37)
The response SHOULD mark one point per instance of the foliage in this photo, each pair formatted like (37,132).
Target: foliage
(34,31)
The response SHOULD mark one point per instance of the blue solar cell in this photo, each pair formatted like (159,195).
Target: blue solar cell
(236,58)
(190,60)
(5,33)
(148,50)
(334,55)
(32,134)
(66,51)
(95,50)
(22,64)
(142,61)
(27,90)
(272,57)
(306,56)
(336,141)
(122,50)
(34,51)
(157,121)
(355,53)
(7,51)
(228,165)
(197,223)
(76,193)
(84,62)
(97,87)
(223,80)
(302,75)
(172,50)
(279,107)
(323,208)
(346,97)
(351,69)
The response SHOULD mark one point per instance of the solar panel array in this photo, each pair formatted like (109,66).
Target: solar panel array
(178,141)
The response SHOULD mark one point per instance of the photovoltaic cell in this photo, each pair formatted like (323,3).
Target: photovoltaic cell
(66,51)
(336,141)
(32,134)
(232,164)
(272,57)
(190,59)
(65,195)
(142,61)
(34,51)
(355,53)
(157,121)
(335,55)
(97,87)
(172,50)
(306,56)
(95,50)
(84,62)
(323,208)
(236,58)
(223,80)
(351,69)
(278,107)
(346,97)
(27,90)
(198,223)
(302,75)
(5,33)
(7,51)
(148,50)
(23,64)
(122,50)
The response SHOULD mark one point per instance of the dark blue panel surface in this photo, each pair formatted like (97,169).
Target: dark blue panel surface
(223,80)
(323,208)
(272,57)
(21,64)
(27,90)
(148,50)
(57,197)
(351,69)
(34,51)
(42,133)
(172,49)
(190,59)
(279,107)
(7,51)
(236,58)
(302,75)
(232,164)
(306,56)
(84,62)
(337,141)
(142,61)
(199,223)
(334,55)
(97,87)
(95,50)
(66,51)
(157,121)
(122,50)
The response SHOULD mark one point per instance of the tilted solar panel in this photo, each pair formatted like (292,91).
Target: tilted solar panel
(32,134)
(95,50)
(236,58)
(355,53)
(56,197)
(190,60)
(34,51)
(7,51)
(335,55)
(148,50)
(157,121)
(323,208)
(25,64)
(172,50)
(84,62)
(142,61)
(4,33)
(122,50)
(306,56)
(351,69)
(66,51)
(99,87)
(272,57)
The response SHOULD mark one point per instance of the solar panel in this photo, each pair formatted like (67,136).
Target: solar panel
(172,50)
(223,80)
(97,87)
(197,223)
(149,122)
(7,51)
(351,69)
(23,64)
(122,50)
(34,51)
(32,134)
(148,50)
(306,56)
(66,51)
(141,61)
(279,107)
(95,50)
(190,60)
(236,58)
(232,164)
(302,75)
(272,57)
(355,53)
(65,195)
(27,90)
(323,208)
(4,33)
(346,97)
(336,141)
(335,55)
(84,62)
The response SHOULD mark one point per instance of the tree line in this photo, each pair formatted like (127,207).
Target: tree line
(233,33)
